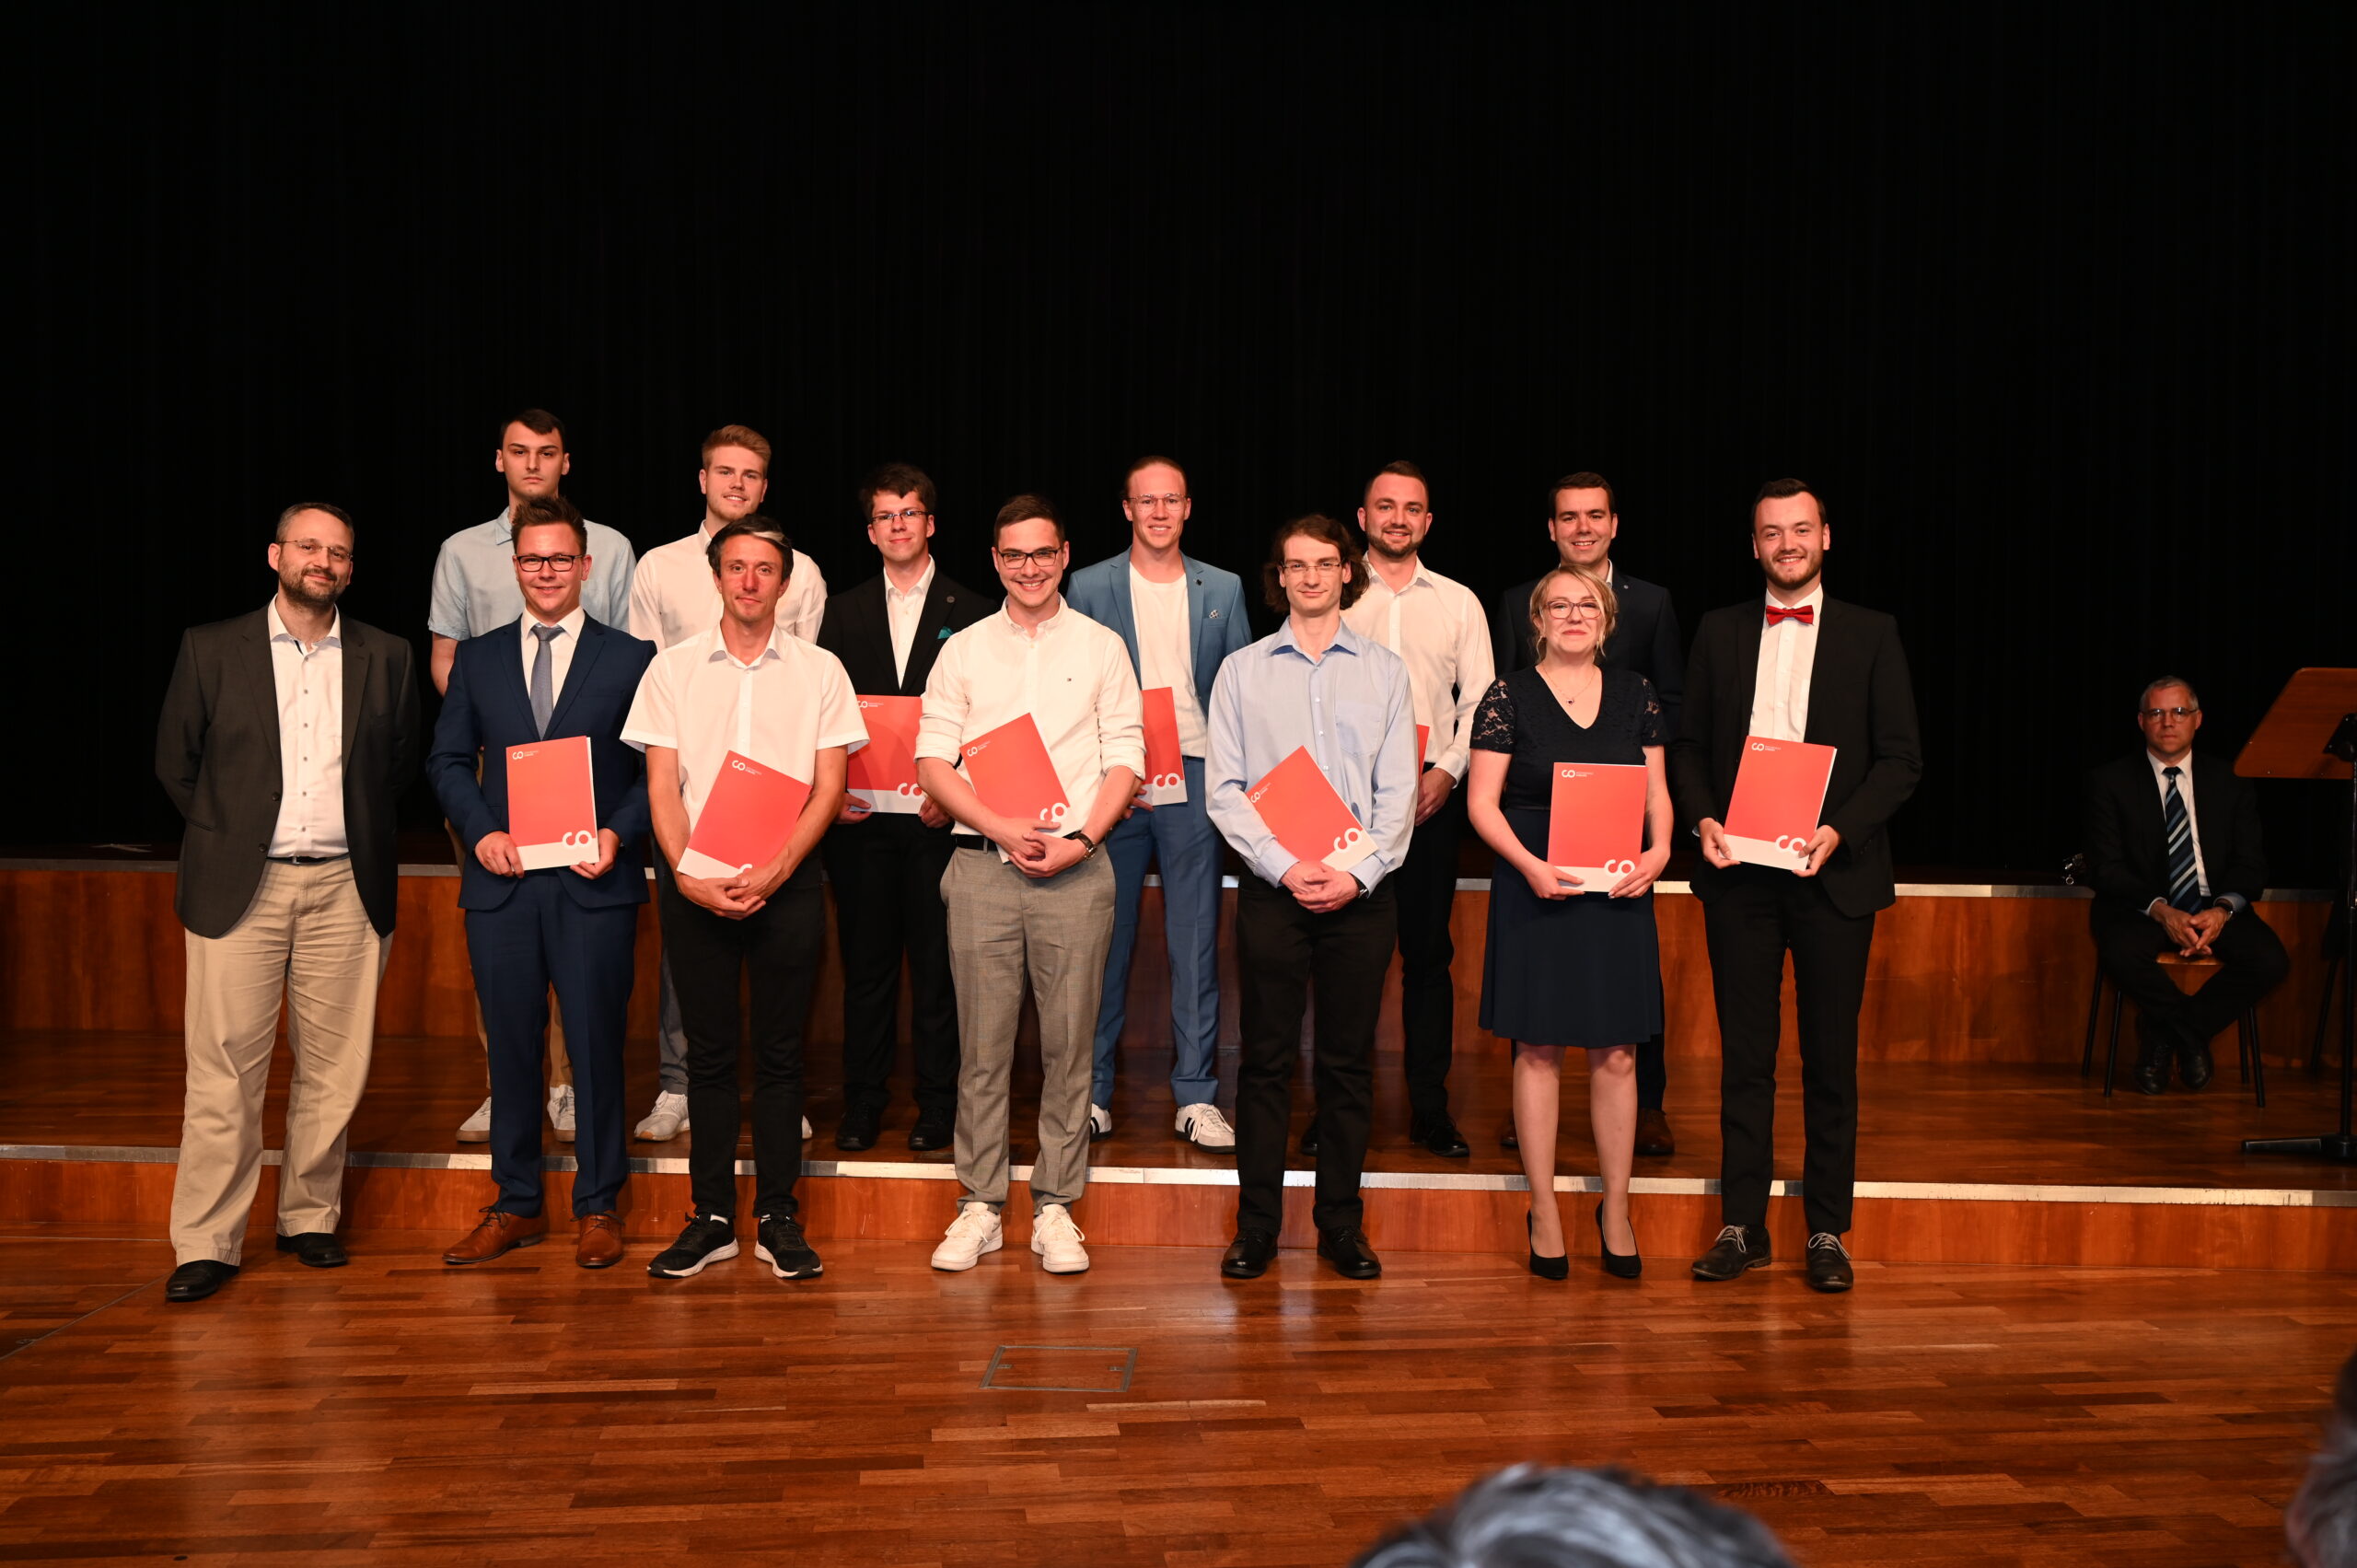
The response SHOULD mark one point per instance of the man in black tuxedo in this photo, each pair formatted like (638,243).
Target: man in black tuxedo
(886,868)
(2172,847)
(551,674)
(285,741)
(1583,519)
(1809,668)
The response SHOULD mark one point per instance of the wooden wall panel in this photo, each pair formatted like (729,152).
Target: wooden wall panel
(1952,979)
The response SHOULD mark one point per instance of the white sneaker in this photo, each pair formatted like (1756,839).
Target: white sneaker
(1100,1121)
(476,1128)
(667,1120)
(805,1129)
(1057,1241)
(1203,1126)
(975,1231)
(560,1110)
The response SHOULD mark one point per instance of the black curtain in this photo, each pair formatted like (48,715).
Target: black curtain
(2053,306)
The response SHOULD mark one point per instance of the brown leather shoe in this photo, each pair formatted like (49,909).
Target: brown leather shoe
(499,1232)
(1653,1136)
(600,1246)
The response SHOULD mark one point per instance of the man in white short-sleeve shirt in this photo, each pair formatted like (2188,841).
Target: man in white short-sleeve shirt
(1027,894)
(735,721)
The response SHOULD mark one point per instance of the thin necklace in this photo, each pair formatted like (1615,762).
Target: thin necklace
(1572,702)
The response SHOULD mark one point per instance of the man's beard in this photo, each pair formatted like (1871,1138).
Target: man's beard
(1375,546)
(297,588)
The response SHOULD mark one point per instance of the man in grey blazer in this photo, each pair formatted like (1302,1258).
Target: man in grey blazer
(286,738)
(1179,618)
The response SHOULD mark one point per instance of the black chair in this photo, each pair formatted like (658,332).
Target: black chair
(2252,1068)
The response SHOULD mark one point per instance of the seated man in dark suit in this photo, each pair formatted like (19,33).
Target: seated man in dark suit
(2172,846)
(552,674)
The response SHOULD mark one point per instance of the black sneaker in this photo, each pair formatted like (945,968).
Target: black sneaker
(708,1239)
(1829,1263)
(1739,1247)
(783,1249)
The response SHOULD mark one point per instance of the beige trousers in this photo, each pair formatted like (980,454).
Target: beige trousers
(306,938)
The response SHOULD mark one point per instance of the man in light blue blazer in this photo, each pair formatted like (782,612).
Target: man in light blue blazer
(1179,618)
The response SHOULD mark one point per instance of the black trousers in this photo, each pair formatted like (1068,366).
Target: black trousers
(1653,1073)
(2255,962)
(1756,917)
(1425,888)
(885,873)
(779,947)
(1283,952)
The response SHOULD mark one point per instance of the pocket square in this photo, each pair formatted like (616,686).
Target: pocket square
(937,636)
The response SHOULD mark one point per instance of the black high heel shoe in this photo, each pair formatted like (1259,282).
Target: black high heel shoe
(1620,1265)
(1547,1267)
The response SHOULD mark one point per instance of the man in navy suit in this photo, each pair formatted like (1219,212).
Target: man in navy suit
(552,674)
(1179,618)
(1583,519)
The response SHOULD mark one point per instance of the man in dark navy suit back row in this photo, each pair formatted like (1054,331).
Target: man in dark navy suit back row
(2172,846)
(552,674)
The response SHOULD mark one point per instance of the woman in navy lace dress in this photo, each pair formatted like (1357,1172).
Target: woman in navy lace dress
(1569,965)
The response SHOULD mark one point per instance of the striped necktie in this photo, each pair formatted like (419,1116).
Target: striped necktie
(2185,890)
(544,684)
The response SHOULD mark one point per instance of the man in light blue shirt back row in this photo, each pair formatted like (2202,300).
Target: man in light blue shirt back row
(475,591)
(1313,685)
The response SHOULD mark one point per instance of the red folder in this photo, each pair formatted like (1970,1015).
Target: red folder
(883,773)
(552,803)
(1779,795)
(745,819)
(1596,829)
(1424,740)
(1010,770)
(1166,766)
(1302,810)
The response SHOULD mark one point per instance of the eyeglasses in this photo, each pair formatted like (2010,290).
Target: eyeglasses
(1172,502)
(1567,609)
(1294,570)
(905,514)
(546,562)
(1013,559)
(2154,715)
(334,552)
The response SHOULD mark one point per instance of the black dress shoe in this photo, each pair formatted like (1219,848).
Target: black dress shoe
(1508,1138)
(1829,1264)
(2156,1044)
(1441,1136)
(2194,1066)
(195,1282)
(1741,1247)
(858,1129)
(316,1249)
(1309,1138)
(935,1130)
(1655,1140)
(2150,1075)
(1250,1255)
(1351,1256)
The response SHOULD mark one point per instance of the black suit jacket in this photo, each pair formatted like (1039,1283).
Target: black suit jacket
(858,630)
(489,709)
(1859,701)
(2127,840)
(1644,639)
(216,753)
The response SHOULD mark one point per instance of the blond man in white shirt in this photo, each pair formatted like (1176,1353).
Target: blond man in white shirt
(672,598)
(1029,899)
(1435,625)
(772,699)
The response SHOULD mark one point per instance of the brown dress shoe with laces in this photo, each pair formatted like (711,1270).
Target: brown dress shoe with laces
(499,1232)
(600,1246)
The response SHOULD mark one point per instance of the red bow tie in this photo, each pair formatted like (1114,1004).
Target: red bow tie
(1806,614)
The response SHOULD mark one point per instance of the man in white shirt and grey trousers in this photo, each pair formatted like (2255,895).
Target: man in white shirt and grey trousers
(1028,899)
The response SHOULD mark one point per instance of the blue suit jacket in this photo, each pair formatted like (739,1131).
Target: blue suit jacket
(488,710)
(1214,612)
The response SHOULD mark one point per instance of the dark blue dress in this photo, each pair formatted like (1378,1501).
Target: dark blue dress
(1583,970)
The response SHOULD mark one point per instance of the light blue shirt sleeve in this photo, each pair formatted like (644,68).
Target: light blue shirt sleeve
(1226,779)
(606,594)
(446,615)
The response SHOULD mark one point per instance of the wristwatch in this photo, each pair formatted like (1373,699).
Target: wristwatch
(1087,845)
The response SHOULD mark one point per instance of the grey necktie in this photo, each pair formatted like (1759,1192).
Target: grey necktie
(543,679)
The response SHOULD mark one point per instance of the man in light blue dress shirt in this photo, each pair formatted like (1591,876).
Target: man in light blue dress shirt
(475,591)
(1302,925)
(1179,619)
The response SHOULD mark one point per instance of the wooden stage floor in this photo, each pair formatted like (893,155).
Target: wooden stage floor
(398,1412)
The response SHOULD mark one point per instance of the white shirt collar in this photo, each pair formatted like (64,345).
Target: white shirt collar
(716,646)
(570,625)
(2184,768)
(1815,601)
(1016,629)
(924,585)
(334,639)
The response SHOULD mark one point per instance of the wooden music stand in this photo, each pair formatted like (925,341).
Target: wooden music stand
(2310,732)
